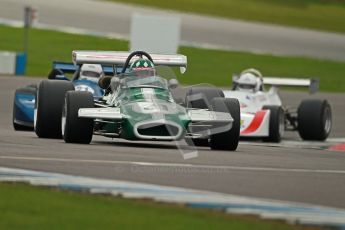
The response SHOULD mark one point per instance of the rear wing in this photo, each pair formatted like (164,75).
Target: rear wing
(68,67)
(311,83)
(118,59)
(65,67)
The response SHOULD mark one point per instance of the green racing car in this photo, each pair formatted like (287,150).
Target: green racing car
(138,105)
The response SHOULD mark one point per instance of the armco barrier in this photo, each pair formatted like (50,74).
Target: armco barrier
(20,63)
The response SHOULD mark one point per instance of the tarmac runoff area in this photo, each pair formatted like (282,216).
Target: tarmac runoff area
(294,180)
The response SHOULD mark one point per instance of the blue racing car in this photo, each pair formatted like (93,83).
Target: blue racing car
(85,78)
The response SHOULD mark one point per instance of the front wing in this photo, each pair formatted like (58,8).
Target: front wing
(195,115)
(201,122)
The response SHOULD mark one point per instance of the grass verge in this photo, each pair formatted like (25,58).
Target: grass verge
(204,66)
(26,207)
(316,14)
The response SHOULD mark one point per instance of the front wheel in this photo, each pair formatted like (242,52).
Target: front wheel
(50,100)
(203,142)
(75,129)
(229,139)
(314,118)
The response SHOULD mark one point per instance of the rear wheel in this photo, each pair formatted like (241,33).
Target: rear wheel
(276,124)
(229,139)
(75,129)
(30,90)
(50,100)
(314,118)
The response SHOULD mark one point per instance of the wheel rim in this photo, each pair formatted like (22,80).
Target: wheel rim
(35,118)
(327,120)
(63,120)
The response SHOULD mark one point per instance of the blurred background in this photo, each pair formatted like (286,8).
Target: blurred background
(281,38)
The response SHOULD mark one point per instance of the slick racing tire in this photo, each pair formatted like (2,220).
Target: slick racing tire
(201,97)
(314,119)
(198,142)
(50,100)
(31,89)
(75,129)
(276,123)
(229,139)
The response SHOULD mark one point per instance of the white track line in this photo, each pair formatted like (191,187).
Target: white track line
(179,165)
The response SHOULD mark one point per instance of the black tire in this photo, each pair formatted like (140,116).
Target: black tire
(227,140)
(31,89)
(50,100)
(75,129)
(203,142)
(276,123)
(314,118)
(204,97)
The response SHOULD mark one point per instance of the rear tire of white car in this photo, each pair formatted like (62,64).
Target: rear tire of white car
(314,119)
(24,90)
(229,139)
(50,100)
(276,124)
(75,129)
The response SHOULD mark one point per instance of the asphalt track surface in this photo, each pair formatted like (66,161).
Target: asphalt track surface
(301,174)
(106,17)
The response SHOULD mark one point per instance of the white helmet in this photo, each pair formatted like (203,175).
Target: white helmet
(250,80)
(91,72)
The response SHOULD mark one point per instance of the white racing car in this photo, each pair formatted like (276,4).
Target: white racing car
(264,116)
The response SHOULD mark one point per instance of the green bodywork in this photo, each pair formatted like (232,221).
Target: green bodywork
(147,108)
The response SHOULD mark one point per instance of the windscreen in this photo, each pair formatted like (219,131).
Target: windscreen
(143,79)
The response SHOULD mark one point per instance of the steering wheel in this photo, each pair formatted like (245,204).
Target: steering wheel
(133,54)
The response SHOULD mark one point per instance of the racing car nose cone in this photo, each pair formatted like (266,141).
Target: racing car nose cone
(159,130)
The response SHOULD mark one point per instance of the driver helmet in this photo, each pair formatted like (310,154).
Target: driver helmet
(250,80)
(91,72)
(143,67)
